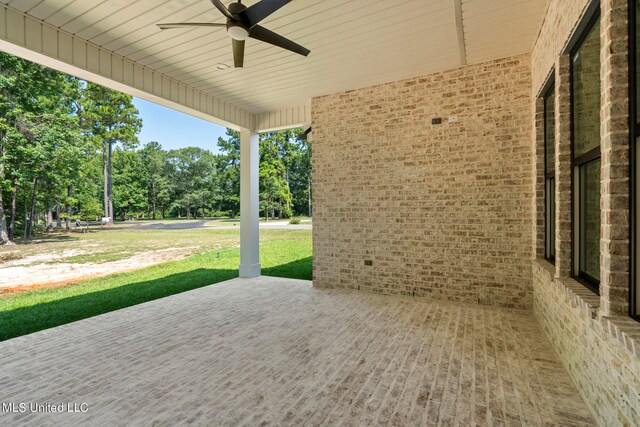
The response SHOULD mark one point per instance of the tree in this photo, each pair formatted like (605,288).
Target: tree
(287,152)
(285,173)
(17,78)
(129,179)
(153,159)
(228,166)
(275,193)
(109,117)
(38,133)
(4,234)
(300,178)
(192,167)
(68,150)
(84,194)
(55,156)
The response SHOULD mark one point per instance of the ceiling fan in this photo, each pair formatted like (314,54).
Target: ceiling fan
(242,22)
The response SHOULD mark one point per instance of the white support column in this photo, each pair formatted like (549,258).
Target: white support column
(249,205)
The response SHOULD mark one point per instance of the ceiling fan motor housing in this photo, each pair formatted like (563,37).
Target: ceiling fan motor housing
(237,28)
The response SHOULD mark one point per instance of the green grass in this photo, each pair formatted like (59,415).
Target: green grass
(234,221)
(223,223)
(32,311)
(97,258)
(116,243)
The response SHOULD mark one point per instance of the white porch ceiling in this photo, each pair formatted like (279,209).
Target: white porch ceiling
(353,43)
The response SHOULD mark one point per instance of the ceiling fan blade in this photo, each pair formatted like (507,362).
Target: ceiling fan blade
(189,25)
(261,10)
(260,33)
(238,53)
(220,6)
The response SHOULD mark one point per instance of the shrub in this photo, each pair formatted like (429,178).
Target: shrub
(295,220)
(220,214)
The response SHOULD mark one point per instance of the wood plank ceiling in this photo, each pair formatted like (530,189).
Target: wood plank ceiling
(353,43)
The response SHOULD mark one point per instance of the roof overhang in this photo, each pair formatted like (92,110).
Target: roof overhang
(353,44)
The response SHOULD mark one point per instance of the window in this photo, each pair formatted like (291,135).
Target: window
(549,176)
(585,123)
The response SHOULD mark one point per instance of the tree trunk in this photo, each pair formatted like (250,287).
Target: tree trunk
(26,217)
(69,207)
(153,198)
(309,192)
(14,207)
(288,188)
(105,175)
(188,212)
(4,234)
(33,210)
(48,218)
(110,186)
(58,218)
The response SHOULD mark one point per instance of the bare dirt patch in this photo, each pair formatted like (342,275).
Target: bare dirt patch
(9,256)
(60,258)
(21,276)
(40,258)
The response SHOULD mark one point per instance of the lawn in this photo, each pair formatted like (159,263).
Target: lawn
(119,242)
(283,253)
(126,239)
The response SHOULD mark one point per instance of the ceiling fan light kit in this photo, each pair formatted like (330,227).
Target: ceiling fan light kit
(237,32)
(242,23)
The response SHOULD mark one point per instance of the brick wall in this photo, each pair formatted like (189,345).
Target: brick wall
(440,210)
(604,368)
(614,134)
(596,341)
(559,24)
(456,210)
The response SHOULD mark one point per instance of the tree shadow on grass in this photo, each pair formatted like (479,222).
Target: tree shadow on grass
(25,320)
(46,238)
(298,269)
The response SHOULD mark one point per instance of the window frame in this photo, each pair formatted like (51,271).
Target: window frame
(634,153)
(549,191)
(589,282)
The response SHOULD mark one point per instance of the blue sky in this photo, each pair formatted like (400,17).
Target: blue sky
(173,129)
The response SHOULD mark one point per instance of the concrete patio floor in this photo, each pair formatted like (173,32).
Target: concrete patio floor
(280,352)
